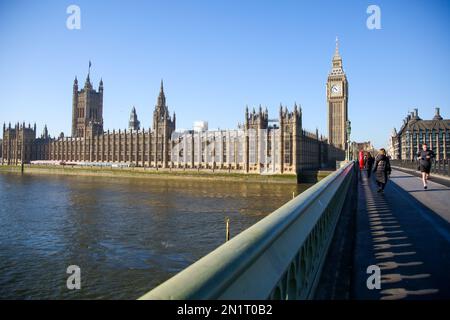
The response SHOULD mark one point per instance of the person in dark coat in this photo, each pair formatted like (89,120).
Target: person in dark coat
(425,155)
(382,169)
(369,164)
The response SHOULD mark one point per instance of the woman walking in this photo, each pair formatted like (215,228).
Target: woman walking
(425,155)
(382,169)
(369,164)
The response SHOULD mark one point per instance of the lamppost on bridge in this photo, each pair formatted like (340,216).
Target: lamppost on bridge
(349,130)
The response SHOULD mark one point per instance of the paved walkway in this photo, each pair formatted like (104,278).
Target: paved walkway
(440,179)
(406,232)
(436,197)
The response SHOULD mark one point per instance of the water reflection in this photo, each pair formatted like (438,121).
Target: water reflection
(127,235)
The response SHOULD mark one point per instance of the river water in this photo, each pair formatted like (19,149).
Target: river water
(126,235)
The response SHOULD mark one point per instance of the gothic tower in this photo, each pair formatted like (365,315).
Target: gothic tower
(337,98)
(163,127)
(134,123)
(290,138)
(256,120)
(87,109)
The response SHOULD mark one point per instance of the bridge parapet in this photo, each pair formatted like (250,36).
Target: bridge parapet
(280,257)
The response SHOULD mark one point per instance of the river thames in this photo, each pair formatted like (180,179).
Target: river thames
(126,235)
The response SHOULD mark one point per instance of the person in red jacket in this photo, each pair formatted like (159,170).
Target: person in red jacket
(361,160)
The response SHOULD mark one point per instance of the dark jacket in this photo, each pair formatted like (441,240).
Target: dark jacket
(369,162)
(382,168)
(422,157)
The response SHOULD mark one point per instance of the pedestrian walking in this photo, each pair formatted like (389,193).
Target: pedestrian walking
(369,164)
(425,155)
(361,160)
(382,169)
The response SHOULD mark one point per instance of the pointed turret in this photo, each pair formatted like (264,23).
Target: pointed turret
(161,97)
(134,123)
(88,84)
(246,118)
(437,115)
(337,60)
(45,133)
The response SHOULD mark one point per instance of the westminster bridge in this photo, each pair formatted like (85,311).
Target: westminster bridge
(339,239)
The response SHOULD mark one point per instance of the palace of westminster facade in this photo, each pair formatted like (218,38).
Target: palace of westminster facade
(257,146)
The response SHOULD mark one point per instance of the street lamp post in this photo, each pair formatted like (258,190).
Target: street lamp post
(349,130)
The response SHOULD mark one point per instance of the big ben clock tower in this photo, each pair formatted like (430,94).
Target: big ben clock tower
(337,98)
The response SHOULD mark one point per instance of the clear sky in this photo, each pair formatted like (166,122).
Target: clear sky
(216,57)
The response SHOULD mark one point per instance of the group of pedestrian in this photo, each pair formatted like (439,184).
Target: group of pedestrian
(381,166)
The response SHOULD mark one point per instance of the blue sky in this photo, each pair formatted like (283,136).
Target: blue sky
(216,57)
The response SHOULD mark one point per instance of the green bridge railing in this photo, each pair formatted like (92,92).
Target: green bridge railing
(280,257)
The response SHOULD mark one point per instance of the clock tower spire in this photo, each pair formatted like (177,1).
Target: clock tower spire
(337,100)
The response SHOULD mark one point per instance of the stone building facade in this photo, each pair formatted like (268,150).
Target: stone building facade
(414,131)
(18,144)
(260,145)
(256,147)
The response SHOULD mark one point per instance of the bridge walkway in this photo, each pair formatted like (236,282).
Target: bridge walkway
(406,232)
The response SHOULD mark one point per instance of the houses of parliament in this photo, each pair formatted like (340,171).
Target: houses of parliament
(259,145)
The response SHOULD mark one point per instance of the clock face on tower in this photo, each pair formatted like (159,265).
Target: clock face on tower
(335,89)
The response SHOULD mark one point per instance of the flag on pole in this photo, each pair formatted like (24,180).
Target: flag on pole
(89,69)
